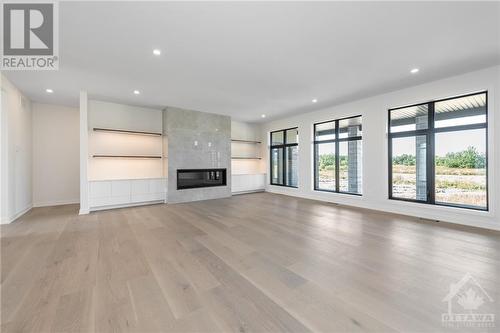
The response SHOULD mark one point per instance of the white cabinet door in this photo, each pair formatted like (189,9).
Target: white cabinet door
(260,182)
(139,190)
(252,182)
(247,183)
(120,188)
(158,189)
(144,190)
(120,192)
(157,185)
(139,186)
(123,192)
(236,185)
(100,189)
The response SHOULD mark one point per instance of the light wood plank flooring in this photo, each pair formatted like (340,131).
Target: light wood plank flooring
(250,263)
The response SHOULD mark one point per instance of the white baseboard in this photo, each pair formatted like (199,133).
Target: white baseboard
(94,209)
(14,217)
(56,203)
(397,207)
(247,192)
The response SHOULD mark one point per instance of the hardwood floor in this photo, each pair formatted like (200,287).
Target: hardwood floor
(250,263)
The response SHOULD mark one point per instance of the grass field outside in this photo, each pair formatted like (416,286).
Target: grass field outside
(460,177)
(465,186)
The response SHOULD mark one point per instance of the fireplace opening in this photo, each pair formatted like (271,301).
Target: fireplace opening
(193,178)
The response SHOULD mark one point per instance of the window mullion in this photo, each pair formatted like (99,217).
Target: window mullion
(315,161)
(337,162)
(431,156)
(283,176)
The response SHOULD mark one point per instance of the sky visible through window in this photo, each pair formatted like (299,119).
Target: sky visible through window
(453,142)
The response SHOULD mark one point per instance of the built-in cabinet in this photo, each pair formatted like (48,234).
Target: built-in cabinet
(126,157)
(105,194)
(248,183)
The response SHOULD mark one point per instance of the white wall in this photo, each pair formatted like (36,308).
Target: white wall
(55,155)
(125,117)
(375,160)
(16,152)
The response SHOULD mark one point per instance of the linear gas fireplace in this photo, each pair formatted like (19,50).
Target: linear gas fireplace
(193,178)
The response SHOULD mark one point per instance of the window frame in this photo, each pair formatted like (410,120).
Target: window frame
(284,146)
(430,134)
(336,141)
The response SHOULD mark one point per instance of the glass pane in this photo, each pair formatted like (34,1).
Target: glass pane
(461,167)
(325,166)
(409,119)
(277,166)
(409,168)
(292,135)
(461,111)
(324,131)
(350,156)
(292,165)
(277,138)
(350,127)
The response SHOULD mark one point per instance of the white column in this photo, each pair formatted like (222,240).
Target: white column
(421,157)
(353,161)
(84,148)
(4,175)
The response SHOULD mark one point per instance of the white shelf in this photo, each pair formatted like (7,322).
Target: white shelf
(110,179)
(124,131)
(245,141)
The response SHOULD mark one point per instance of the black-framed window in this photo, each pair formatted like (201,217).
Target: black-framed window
(284,157)
(438,152)
(338,156)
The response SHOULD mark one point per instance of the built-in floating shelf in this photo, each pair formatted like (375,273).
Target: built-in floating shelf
(112,130)
(127,156)
(245,158)
(245,141)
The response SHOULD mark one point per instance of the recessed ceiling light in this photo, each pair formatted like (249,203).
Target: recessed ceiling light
(414,70)
(314,100)
(263,115)
(156,52)
(50,91)
(137,92)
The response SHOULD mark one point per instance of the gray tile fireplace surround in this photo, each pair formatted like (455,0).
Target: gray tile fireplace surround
(197,140)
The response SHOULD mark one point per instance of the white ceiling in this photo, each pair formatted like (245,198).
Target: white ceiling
(246,59)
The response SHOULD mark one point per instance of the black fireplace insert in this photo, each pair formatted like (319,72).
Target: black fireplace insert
(193,178)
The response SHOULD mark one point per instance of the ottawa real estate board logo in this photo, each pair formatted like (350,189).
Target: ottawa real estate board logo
(30,34)
(469,305)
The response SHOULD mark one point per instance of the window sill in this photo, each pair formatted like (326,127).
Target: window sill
(335,192)
(440,207)
(285,186)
